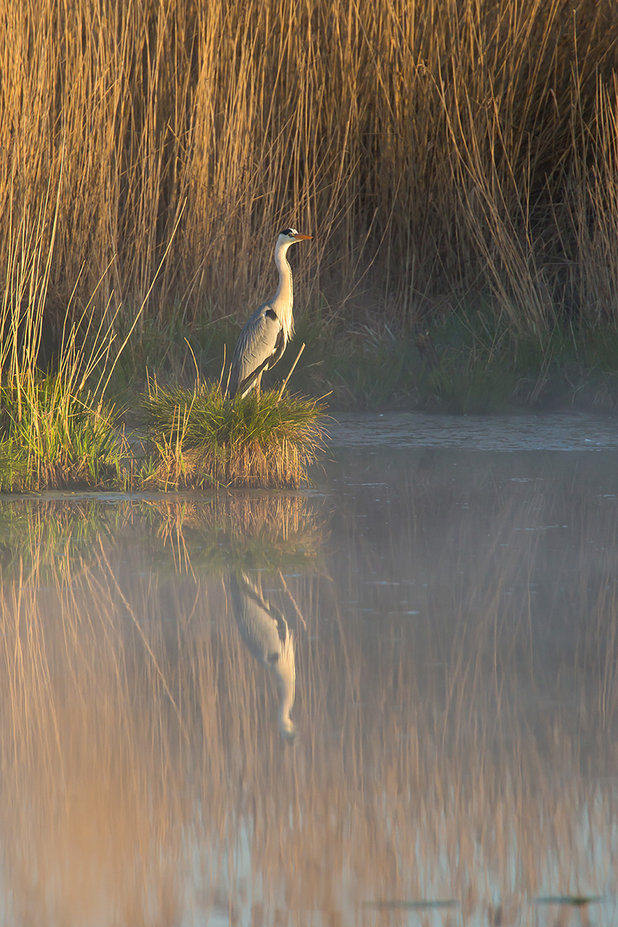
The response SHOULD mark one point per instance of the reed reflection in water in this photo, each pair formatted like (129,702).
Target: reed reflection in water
(454,696)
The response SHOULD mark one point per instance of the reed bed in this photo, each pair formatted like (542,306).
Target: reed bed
(203,439)
(56,427)
(447,156)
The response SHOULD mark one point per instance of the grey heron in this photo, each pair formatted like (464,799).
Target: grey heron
(267,635)
(265,335)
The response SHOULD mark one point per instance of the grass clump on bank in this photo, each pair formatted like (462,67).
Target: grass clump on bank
(52,437)
(202,439)
(57,430)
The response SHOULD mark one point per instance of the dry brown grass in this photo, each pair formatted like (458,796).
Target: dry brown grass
(458,148)
(278,465)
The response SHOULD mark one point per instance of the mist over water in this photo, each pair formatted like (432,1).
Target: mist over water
(391,699)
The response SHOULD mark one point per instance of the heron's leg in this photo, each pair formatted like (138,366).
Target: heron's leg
(258,385)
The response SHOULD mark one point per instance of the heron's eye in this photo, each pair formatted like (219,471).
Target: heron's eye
(289,232)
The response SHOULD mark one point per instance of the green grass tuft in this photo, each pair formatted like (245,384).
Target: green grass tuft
(53,437)
(203,439)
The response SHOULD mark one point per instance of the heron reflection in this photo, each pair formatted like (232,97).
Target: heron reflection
(266,632)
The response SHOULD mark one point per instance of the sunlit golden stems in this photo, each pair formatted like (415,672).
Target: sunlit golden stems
(433,148)
(28,264)
(56,426)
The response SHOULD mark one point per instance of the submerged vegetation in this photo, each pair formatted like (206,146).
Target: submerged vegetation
(455,162)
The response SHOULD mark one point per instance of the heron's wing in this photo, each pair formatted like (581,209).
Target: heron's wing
(268,609)
(260,629)
(259,346)
(279,349)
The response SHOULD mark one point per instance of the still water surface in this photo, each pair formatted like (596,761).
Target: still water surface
(392,699)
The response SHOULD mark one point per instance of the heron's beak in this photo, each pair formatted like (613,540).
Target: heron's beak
(301,237)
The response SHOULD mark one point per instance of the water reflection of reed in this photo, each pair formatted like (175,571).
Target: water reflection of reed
(253,529)
(37,532)
(144,781)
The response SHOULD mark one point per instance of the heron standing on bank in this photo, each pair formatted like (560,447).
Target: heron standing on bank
(263,339)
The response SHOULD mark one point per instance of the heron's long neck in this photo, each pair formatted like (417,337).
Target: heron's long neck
(286,682)
(284,297)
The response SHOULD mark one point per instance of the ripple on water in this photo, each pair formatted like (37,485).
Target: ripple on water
(548,432)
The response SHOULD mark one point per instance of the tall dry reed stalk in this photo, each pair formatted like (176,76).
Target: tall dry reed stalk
(56,426)
(460,149)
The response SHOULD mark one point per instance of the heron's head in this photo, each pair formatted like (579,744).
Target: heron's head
(290,236)
(288,730)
